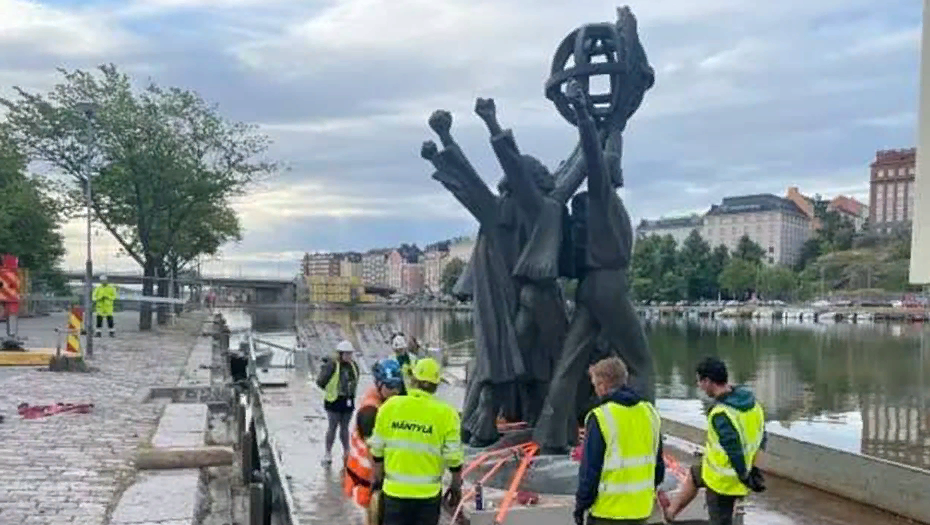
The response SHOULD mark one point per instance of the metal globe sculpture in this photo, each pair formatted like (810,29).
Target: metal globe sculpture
(611,50)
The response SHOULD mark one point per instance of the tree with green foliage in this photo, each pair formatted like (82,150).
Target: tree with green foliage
(777,282)
(164,164)
(739,277)
(696,268)
(30,219)
(654,269)
(749,251)
(450,275)
(718,261)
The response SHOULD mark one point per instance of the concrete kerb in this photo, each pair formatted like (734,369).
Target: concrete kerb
(893,487)
(177,496)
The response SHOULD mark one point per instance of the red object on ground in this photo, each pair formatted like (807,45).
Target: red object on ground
(527,498)
(28,411)
(576,453)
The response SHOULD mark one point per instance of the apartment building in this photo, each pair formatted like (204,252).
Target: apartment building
(434,263)
(891,196)
(321,264)
(850,209)
(775,223)
(350,265)
(375,267)
(412,278)
(678,227)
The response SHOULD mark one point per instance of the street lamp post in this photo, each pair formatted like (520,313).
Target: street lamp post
(88,111)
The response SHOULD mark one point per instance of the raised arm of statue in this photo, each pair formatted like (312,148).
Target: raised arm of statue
(569,176)
(599,182)
(456,174)
(524,188)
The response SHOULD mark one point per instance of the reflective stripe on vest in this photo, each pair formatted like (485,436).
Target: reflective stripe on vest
(332,386)
(418,437)
(627,485)
(716,469)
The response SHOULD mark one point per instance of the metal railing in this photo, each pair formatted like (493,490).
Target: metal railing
(260,461)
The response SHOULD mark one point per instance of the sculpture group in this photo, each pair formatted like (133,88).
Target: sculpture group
(532,356)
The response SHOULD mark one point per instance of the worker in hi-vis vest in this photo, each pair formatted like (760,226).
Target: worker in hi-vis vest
(735,436)
(621,463)
(104,297)
(404,356)
(338,378)
(359,471)
(416,438)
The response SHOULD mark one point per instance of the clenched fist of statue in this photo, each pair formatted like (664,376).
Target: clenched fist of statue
(485,108)
(441,122)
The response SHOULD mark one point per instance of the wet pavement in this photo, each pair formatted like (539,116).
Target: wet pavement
(298,424)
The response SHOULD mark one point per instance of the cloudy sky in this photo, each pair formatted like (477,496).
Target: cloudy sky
(751,96)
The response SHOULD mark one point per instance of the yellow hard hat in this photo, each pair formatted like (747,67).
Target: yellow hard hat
(427,369)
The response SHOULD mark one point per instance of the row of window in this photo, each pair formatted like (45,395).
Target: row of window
(896,172)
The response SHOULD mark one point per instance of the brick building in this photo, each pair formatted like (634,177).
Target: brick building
(891,196)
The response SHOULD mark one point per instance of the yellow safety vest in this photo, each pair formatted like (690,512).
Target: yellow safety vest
(627,484)
(716,469)
(332,386)
(418,437)
(104,296)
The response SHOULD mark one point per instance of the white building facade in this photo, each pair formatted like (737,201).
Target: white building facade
(678,227)
(774,223)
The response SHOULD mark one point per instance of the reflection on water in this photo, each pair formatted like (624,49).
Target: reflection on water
(859,388)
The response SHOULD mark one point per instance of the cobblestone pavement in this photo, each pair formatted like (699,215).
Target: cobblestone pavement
(71,468)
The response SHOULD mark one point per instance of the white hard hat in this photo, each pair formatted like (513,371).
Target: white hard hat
(103,278)
(399,342)
(345,346)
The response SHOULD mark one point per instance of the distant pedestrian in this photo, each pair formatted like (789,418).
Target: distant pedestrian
(104,297)
(735,435)
(404,356)
(339,380)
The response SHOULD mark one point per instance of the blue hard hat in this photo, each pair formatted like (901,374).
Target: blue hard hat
(387,372)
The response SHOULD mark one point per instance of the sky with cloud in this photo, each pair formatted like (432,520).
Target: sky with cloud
(750,97)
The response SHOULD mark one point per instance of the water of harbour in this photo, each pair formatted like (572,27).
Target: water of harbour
(860,388)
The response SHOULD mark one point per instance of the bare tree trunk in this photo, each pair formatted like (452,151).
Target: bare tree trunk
(148,283)
(162,290)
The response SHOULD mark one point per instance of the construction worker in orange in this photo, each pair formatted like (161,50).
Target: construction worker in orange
(358,478)
(104,297)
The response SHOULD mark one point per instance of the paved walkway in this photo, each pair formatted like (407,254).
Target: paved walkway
(71,468)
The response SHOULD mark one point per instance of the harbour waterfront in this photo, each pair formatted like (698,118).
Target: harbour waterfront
(857,388)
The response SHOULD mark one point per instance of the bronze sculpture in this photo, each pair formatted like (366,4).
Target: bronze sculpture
(528,240)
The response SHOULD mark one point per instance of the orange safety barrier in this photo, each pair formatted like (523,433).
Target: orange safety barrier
(72,335)
(9,284)
(524,452)
(515,483)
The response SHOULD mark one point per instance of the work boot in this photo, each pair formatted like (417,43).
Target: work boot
(327,459)
(112,333)
(97,334)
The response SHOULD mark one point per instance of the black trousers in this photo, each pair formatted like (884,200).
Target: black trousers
(399,511)
(719,506)
(100,321)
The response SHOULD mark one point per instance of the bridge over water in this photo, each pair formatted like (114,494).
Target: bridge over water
(263,289)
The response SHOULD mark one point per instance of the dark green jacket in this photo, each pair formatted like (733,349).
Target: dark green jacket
(742,399)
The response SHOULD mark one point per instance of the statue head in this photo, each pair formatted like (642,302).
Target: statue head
(537,170)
